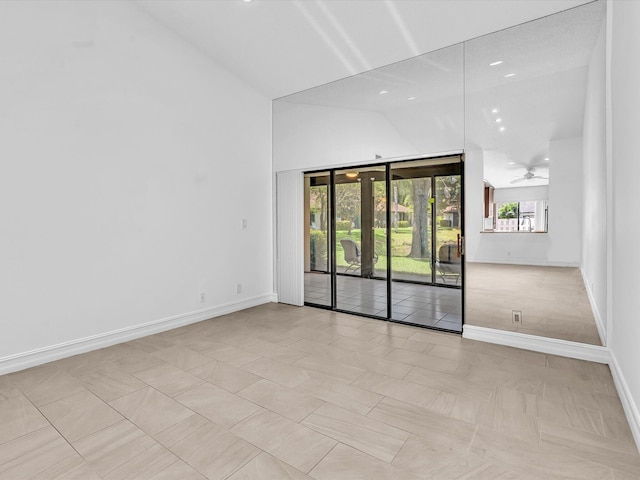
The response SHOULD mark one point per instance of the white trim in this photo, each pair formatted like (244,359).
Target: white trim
(629,406)
(532,263)
(274,224)
(553,346)
(609,226)
(594,308)
(20,361)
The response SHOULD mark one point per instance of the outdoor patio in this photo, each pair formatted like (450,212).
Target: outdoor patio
(426,305)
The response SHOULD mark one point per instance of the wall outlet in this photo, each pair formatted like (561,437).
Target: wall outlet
(516,317)
(203,297)
(243,223)
(239,288)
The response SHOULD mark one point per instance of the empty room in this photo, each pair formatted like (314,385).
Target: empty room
(328,239)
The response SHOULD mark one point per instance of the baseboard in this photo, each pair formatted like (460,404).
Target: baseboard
(553,346)
(20,361)
(515,261)
(594,308)
(629,406)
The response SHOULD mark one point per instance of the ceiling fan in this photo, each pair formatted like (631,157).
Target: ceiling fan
(529,175)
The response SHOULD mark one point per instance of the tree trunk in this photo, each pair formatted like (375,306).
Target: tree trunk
(323,211)
(420,240)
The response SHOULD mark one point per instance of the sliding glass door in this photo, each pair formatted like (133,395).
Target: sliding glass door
(360,240)
(411,233)
(317,233)
(426,243)
(386,241)
(448,229)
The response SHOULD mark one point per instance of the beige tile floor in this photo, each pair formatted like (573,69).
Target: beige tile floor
(553,301)
(280,392)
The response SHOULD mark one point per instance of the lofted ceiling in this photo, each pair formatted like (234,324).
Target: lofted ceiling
(329,52)
(284,46)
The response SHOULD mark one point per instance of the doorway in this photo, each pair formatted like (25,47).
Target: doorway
(386,241)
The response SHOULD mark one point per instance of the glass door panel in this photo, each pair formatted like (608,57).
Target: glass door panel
(317,272)
(448,231)
(424,220)
(411,228)
(380,229)
(448,251)
(360,240)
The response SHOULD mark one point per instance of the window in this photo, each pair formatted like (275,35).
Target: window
(525,216)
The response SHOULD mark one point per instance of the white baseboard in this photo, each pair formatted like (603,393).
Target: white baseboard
(594,308)
(553,346)
(20,361)
(516,261)
(629,406)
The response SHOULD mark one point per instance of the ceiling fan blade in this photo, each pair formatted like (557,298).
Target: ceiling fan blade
(541,178)
(518,180)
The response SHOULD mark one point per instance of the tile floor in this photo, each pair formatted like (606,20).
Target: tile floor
(553,301)
(279,392)
(426,305)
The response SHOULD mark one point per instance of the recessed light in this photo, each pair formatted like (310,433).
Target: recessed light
(383,92)
(351,174)
(247,1)
(511,163)
(411,98)
(495,110)
(546,159)
(502,129)
(493,64)
(509,75)
(498,120)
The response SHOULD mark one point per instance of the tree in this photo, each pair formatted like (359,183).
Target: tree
(508,210)
(318,203)
(380,203)
(348,203)
(448,193)
(420,240)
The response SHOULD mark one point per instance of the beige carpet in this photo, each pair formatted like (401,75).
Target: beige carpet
(553,301)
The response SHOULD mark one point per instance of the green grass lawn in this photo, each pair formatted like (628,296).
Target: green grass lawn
(400,248)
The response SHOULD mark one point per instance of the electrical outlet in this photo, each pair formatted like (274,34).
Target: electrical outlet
(203,297)
(239,288)
(516,317)
(243,223)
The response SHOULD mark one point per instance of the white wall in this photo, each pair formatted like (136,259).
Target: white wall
(624,339)
(127,158)
(313,136)
(565,201)
(561,246)
(520,194)
(594,204)
(434,126)
(473,200)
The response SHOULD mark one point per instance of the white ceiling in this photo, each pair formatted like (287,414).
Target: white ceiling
(542,102)
(281,47)
(284,46)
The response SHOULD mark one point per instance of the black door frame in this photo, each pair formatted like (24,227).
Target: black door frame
(331,205)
